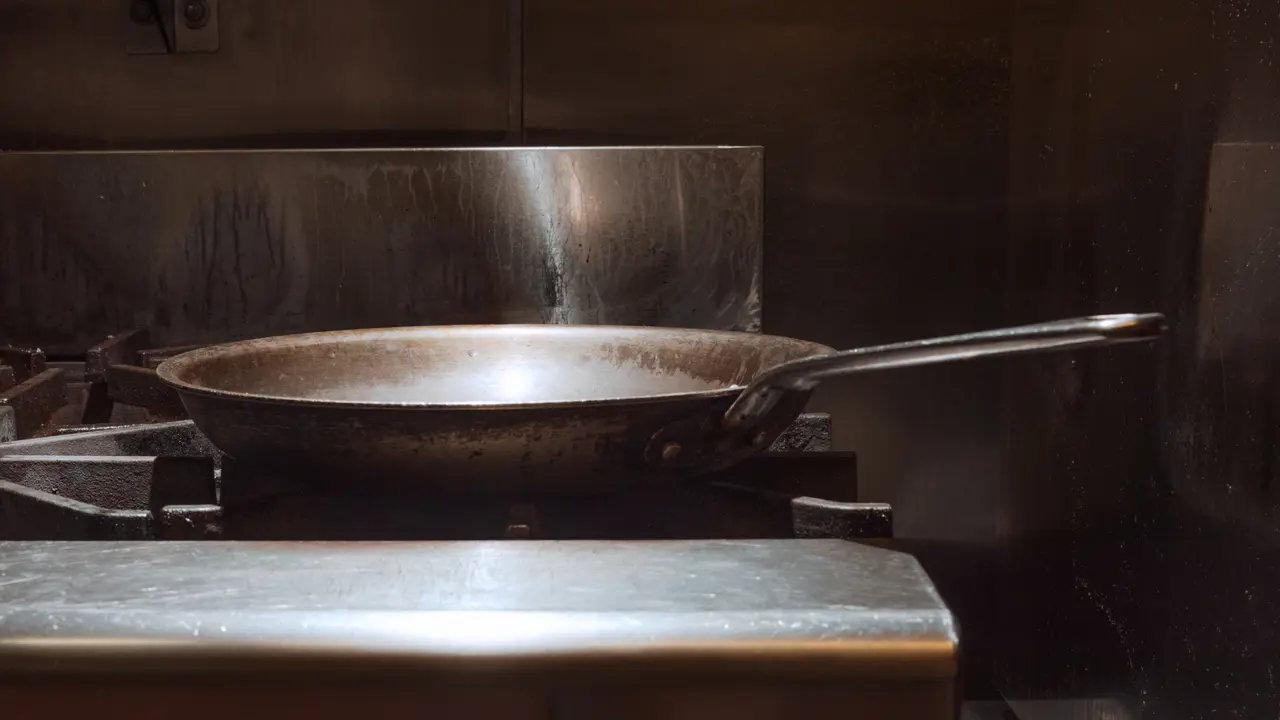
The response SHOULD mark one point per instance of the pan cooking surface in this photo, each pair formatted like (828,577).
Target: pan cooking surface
(483,365)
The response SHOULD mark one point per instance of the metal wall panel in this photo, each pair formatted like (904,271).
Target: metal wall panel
(208,246)
(319,73)
(1141,512)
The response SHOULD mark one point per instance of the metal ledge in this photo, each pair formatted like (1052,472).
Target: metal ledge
(516,608)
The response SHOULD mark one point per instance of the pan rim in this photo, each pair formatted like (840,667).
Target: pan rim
(167,370)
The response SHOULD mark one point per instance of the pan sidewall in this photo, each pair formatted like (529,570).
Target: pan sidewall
(500,451)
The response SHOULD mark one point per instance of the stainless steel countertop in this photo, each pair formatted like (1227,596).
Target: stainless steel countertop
(725,606)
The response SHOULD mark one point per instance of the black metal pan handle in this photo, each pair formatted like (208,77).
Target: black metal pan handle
(765,390)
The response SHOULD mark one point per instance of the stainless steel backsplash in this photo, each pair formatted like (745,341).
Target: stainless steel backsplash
(210,246)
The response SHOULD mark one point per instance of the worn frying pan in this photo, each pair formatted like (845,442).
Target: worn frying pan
(529,409)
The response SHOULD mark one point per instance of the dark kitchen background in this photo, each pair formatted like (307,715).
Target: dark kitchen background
(1104,524)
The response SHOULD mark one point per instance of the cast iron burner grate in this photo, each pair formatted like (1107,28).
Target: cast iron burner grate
(115,385)
(165,481)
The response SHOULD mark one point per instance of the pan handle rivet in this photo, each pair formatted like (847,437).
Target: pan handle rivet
(670,451)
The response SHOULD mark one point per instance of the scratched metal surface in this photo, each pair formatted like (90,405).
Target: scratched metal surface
(212,246)
(145,602)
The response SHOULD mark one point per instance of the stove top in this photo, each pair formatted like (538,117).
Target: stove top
(115,382)
(165,481)
(94,459)
(736,594)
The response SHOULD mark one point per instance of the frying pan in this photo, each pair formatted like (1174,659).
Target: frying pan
(533,409)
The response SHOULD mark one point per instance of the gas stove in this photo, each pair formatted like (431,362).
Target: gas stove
(114,383)
(746,593)
(165,481)
(143,574)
